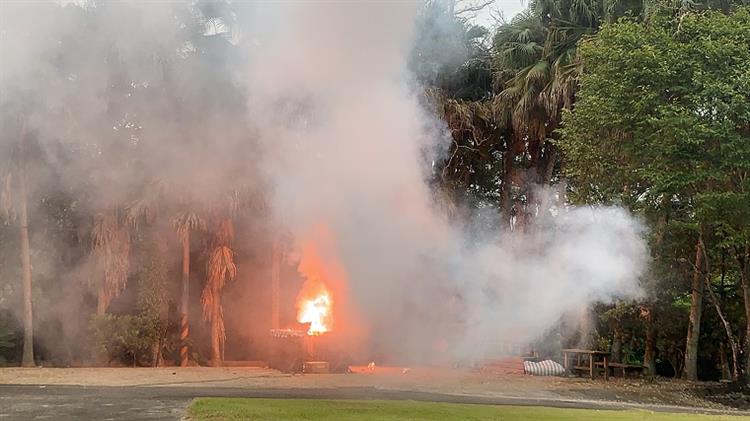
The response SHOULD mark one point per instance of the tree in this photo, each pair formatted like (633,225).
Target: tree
(661,124)
(185,222)
(219,270)
(110,243)
(23,227)
(16,171)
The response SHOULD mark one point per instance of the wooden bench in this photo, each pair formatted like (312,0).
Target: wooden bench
(623,368)
(574,360)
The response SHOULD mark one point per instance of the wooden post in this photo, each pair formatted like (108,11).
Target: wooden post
(606,367)
(275,275)
(591,366)
(565,361)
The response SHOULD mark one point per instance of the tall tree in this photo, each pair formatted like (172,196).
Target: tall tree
(23,228)
(661,121)
(110,243)
(184,223)
(220,269)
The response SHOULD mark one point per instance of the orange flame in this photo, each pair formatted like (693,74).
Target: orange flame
(315,306)
(323,274)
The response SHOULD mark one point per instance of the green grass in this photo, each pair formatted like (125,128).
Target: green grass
(313,409)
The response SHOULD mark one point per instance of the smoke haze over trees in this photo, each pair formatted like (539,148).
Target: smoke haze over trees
(463,187)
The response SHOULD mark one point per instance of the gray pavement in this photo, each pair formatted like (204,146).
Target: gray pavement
(24,402)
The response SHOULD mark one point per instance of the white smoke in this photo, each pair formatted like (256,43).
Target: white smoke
(343,144)
(330,95)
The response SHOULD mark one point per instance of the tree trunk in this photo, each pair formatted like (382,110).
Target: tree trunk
(506,195)
(275,275)
(649,357)
(28,325)
(724,321)
(185,300)
(725,372)
(728,330)
(690,371)
(617,344)
(216,332)
(743,261)
(101,300)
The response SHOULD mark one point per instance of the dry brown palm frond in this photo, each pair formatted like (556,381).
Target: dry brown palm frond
(186,221)
(110,243)
(221,268)
(144,206)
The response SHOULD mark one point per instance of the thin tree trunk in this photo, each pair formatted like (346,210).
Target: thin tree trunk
(185,300)
(28,326)
(744,262)
(649,309)
(725,372)
(649,359)
(275,275)
(690,371)
(715,301)
(728,330)
(617,343)
(216,331)
(506,198)
(101,300)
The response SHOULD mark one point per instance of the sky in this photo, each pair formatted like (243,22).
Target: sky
(508,8)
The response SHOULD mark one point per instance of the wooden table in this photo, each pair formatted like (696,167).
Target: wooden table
(591,355)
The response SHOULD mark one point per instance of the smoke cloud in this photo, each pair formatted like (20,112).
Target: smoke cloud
(312,105)
(348,138)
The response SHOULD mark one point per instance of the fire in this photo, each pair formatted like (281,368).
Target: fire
(316,308)
(323,275)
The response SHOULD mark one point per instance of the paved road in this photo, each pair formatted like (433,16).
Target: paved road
(169,403)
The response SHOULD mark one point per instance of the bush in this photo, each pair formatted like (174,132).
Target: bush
(139,338)
(7,339)
(125,338)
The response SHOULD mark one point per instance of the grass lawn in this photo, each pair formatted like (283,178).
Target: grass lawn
(313,409)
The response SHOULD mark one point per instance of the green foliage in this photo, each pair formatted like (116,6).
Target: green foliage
(120,337)
(7,340)
(139,338)
(662,125)
(663,110)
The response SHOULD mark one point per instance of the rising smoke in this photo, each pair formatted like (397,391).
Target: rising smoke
(314,105)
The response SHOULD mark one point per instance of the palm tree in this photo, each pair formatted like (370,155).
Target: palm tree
(276,258)
(23,225)
(536,74)
(184,222)
(220,269)
(110,243)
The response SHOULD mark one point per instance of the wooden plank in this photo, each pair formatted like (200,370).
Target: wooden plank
(585,351)
(606,367)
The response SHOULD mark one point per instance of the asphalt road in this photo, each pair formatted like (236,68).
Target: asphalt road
(169,403)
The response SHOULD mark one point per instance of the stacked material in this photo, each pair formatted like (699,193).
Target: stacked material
(543,368)
(315,367)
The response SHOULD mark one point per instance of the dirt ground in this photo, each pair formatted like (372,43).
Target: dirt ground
(460,382)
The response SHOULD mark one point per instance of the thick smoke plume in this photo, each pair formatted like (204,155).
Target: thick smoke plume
(348,136)
(312,105)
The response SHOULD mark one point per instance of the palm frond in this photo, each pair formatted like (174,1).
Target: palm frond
(110,243)
(187,220)
(220,269)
